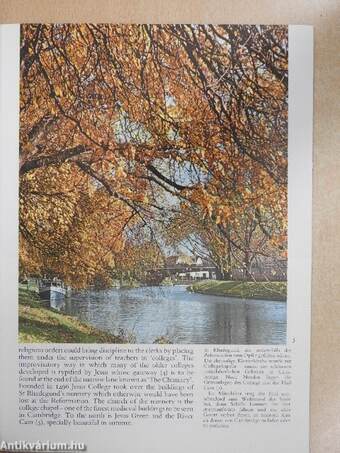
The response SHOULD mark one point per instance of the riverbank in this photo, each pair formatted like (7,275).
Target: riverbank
(41,324)
(244,290)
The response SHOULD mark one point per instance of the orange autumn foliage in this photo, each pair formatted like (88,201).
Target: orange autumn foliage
(117,119)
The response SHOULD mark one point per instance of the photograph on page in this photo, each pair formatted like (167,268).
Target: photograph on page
(153,184)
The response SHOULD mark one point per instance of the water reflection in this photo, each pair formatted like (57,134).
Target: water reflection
(57,301)
(182,316)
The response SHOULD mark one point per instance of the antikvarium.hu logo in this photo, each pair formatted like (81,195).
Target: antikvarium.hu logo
(43,446)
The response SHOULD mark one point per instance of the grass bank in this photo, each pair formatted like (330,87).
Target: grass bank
(245,290)
(41,324)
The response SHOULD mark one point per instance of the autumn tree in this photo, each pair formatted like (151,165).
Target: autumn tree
(122,125)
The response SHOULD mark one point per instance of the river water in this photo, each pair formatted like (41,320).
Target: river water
(184,317)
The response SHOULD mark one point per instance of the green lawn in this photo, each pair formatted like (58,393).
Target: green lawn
(244,290)
(40,324)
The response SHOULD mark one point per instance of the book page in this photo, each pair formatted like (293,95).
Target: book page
(156,262)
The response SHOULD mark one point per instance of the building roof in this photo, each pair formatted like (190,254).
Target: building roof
(187,260)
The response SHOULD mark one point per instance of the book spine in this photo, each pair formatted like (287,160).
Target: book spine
(9,154)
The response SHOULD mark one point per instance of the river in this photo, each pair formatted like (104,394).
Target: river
(184,317)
